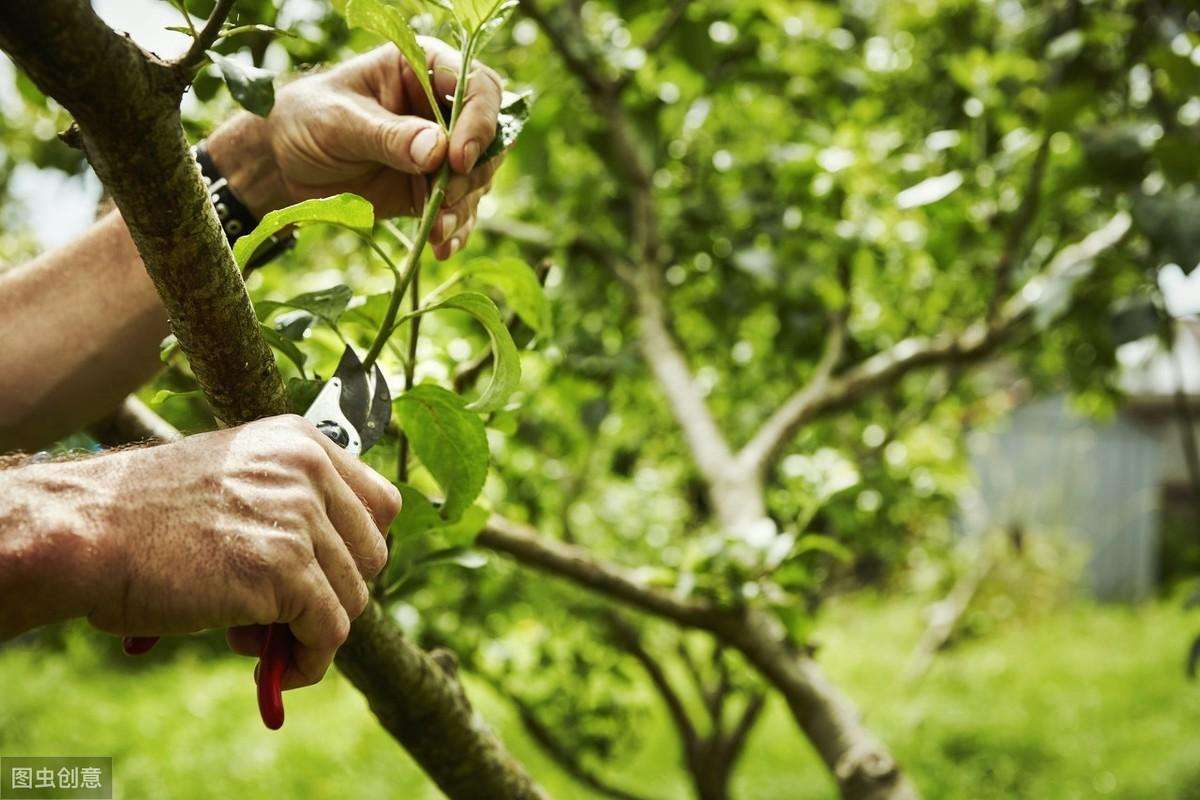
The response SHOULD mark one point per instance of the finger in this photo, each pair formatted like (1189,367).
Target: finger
(405,143)
(319,630)
(357,534)
(381,498)
(477,119)
(452,217)
(456,241)
(246,640)
(342,570)
(459,186)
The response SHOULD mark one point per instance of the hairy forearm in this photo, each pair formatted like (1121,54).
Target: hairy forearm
(81,326)
(49,560)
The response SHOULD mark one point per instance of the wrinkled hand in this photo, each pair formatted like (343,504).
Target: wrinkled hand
(267,522)
(366,127)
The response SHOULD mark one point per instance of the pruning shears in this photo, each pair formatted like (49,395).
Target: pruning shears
(352,409)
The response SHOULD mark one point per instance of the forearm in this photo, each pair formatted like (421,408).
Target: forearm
(50,564)
(81,326)
(82,323)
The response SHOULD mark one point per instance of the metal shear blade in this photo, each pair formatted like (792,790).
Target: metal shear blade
(353,408)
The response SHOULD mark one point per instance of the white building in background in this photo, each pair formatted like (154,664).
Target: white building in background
(1122,486)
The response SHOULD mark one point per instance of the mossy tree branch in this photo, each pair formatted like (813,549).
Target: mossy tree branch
(125,102)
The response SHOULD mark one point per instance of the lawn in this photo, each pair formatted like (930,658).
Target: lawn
(1088,702)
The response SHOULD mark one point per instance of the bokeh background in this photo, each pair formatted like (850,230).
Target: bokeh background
(994,558)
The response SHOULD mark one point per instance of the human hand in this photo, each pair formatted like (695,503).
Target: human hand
(366,127)
(267,522)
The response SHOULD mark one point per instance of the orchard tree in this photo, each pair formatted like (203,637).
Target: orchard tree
(775,240)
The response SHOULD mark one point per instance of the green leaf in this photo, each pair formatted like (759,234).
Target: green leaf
(417,513)
(163,395)
(816,542)
(253,88)
(463,532)
(449,440)
(345,210)
(458,556)
(294,325)
(390,23)
(285,346)
(420,538)
(328,304)
(269,30)
(475,14)
(519,284)
(506,370)
(167,348)
(514,111)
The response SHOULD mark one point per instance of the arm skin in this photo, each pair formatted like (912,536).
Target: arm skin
(82,323)
(267,522)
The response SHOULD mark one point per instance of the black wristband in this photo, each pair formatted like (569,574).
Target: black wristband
(236,219)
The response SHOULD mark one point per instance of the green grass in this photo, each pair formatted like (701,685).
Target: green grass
(1090,702)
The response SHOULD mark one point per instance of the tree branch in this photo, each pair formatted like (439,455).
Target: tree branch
(424,707)
(629,639)
(861,765)
(733,744)
(669,366)
(543,735)
(577,565)
(887,367)
(204,39)
(579,65)
(665,27)
(126,103)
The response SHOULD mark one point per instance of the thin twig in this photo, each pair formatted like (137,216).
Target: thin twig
(205,38)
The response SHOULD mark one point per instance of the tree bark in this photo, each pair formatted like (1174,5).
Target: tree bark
(126,105)
(441,730)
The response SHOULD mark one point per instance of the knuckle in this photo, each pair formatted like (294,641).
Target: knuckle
(392,139)
(309,456)
(358,604)
(374,561)
(392,501)
(337,629)
(288,421)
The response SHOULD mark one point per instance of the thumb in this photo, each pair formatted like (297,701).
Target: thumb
(404,143)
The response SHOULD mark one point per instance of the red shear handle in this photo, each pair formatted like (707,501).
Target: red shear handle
(138,645)
(272,663)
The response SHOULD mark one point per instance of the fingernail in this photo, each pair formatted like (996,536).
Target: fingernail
(449,223)
(455,243)
(471,155)
(423,146)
